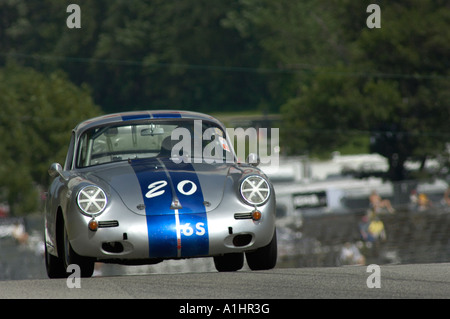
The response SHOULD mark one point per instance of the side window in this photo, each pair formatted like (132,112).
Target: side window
(70,150)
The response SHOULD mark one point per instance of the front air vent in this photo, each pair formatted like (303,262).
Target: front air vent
(243,216)
(108,223)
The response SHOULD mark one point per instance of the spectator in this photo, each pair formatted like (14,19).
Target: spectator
(19,233)
(376,229)
(423,203)
(372,228)
(447,197)
(378,204)
(350,255)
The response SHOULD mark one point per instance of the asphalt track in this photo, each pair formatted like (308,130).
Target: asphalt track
(430,281)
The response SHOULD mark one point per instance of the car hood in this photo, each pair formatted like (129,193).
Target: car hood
(161,186)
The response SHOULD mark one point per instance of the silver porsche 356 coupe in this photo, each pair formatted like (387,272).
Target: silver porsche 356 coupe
(142,187)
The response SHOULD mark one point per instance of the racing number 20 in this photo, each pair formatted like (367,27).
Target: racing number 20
(155,188)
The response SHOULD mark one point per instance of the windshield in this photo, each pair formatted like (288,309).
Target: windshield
(180,140)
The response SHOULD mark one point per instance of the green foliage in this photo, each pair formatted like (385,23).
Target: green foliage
(315,61)
(394,84)
(326,115)
(37,114)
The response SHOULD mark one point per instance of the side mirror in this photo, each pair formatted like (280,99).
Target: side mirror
(253,159)
(55,170)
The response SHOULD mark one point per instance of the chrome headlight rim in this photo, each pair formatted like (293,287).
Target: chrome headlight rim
(249,189)
(91,200)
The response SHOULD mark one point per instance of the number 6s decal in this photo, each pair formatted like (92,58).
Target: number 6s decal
(187,230)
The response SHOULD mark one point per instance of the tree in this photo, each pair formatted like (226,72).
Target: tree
(411,50)
(140,54)
(335,77)
(320,118)
(395,85)
(37,115)
(173,55)
(294,38)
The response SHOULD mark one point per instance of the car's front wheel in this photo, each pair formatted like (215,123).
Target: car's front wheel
(265,257)
(229,262)
(54,265)
(70,257)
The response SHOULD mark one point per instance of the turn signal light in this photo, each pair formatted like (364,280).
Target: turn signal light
(93,225)
(256,215)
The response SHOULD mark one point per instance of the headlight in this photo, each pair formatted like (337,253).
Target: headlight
(92,200)
(255,190)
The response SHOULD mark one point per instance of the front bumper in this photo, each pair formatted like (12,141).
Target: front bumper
(124,235)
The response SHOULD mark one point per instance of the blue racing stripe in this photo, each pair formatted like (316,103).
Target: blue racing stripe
(165,240)
(167,115)
(193,219)
(162,233)
(132,117)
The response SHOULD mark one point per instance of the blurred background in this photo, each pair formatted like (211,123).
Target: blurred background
(360,111)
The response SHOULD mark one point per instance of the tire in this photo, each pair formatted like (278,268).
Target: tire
(229,262)
(54,266)
(264,258)
(69,256)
